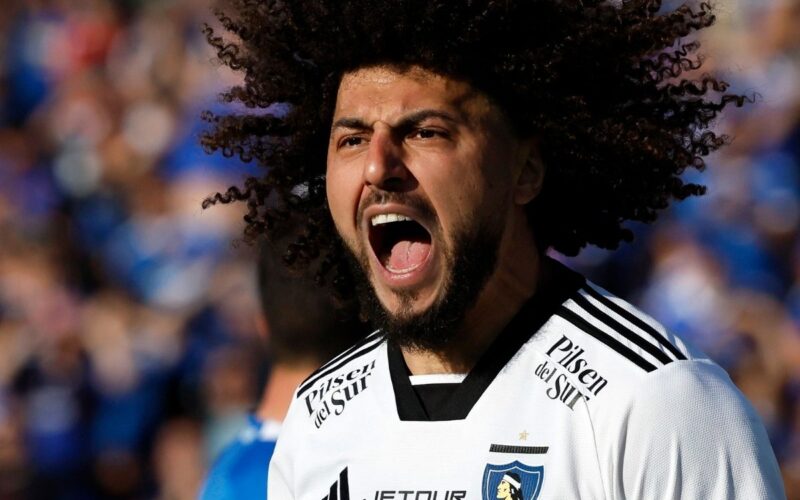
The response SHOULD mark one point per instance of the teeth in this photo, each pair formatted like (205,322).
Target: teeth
(388,218)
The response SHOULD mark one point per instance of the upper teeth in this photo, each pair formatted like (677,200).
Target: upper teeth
(387,218)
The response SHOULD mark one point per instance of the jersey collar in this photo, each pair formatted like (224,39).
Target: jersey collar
(560,285)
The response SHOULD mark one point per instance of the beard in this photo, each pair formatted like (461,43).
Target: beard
(469,263)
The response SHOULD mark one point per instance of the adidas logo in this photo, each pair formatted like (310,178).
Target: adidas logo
(340,490)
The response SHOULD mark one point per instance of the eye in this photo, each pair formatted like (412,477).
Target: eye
(351,141)
(427,133)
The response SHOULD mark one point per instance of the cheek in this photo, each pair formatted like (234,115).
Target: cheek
(343,191)
(456,191)
(497,181)
(474,193)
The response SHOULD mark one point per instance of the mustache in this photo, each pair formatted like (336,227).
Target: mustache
(420,205)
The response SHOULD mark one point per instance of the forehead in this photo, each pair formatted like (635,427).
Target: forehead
(382,93)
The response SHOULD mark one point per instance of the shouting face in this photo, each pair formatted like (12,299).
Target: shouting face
(421,181)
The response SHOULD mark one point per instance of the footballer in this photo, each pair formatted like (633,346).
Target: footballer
(303,328)
(430,154)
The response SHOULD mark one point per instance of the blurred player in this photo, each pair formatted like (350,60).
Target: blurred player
(302,330)
(443,148)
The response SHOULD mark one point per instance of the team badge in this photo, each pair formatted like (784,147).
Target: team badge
(514,481)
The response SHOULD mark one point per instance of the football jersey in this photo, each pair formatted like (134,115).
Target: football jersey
(581,396)
(240,471)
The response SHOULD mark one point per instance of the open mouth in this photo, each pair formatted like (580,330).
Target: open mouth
(400,243)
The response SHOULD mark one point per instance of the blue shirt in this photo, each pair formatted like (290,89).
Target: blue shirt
(240,472)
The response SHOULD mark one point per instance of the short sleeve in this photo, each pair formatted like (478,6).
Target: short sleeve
(278,485)
(691,434)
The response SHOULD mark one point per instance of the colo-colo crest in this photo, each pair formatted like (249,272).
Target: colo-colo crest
(514,481)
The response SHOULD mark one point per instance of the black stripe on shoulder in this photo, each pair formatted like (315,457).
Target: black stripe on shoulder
(618,327)
(605,338)
(635,320)
(366,345)
(342,354)
(344,484)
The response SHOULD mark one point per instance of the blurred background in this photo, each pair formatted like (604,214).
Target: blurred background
(128,348)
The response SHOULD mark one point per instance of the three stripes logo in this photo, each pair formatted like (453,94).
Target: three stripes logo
(340,490)
(618,328)
(568,374)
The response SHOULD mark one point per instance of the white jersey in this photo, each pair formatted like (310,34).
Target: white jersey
(580,397)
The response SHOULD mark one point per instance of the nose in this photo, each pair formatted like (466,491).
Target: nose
(385,168)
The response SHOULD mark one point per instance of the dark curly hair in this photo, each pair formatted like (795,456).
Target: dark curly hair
(602,84)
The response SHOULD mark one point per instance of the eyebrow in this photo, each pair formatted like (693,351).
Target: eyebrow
(407,121)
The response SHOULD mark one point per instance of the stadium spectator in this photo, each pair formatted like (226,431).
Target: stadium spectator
(301,328)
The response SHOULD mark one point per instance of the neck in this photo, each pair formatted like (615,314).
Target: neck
(283,380)
(511,285)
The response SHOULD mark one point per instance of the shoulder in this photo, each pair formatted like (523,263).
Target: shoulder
(618,357)
(606,345)
(326,412)
(688,429)
(666,416)
(623,330)
(330,388)
(359,356)
(241,468)
(692,394)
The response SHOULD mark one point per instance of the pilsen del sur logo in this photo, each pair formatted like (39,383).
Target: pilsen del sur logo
(567,357)
(330,396)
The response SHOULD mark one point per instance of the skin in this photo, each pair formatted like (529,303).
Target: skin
(503,490)
(438,140)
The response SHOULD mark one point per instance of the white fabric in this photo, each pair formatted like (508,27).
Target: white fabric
(438,378)
(612,429)
(269,430)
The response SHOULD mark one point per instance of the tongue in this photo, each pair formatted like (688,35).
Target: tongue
(407,255)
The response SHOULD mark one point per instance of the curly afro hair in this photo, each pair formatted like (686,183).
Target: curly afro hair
(602,84)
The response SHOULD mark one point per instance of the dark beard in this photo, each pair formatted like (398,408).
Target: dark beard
(471,263)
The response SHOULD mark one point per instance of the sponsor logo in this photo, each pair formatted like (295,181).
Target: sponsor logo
(420,495)
(330,396)
(514,481)
(340,490)
(567,357)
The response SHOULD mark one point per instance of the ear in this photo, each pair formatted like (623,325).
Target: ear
(531,174)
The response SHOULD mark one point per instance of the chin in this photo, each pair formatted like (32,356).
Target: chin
(406,303)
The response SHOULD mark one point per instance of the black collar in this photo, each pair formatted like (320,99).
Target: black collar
(557,286)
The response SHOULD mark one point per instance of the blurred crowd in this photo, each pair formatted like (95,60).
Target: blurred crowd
(128,348)
(128,352)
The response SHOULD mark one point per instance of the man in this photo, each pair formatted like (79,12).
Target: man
(441,150)
(302,330)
